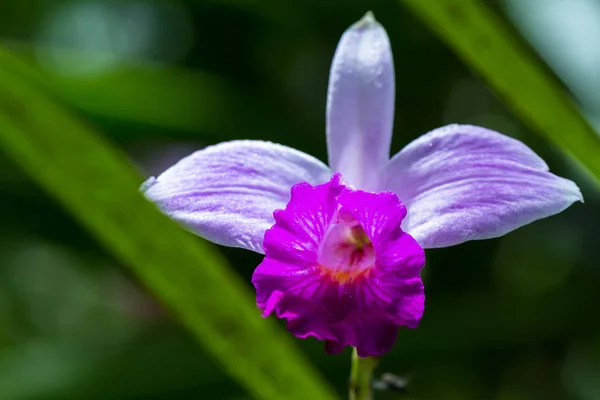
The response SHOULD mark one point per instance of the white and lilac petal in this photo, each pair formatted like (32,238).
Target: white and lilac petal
(360,103)
(227,193)
(463,182)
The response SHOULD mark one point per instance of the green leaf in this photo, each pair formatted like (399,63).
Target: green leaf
(493,50)
(97,184)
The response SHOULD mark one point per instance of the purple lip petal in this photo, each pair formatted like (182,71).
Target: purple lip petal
(227,193)
(463,182)
(360,104)
(338,267)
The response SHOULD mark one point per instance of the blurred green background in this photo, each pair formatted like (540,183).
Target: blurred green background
(510,318)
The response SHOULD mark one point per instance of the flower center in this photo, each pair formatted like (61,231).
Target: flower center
(346,253)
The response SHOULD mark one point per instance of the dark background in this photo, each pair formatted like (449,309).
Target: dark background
(507,319)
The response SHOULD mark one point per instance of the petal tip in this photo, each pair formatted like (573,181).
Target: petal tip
(147,184)
(367,21)
(572,191)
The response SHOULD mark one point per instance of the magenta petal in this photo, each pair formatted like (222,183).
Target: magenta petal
(372,334)
(463,182)
(399,257)
(339,304)
(227,193)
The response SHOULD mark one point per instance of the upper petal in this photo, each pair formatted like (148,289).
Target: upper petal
(463,182)
(360,103)
(227,193)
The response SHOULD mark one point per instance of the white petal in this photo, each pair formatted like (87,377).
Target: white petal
(464,182)
(360,104)
(227,193)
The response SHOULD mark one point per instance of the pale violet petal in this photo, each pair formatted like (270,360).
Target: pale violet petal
(227,193)
(463,182)
(360,104)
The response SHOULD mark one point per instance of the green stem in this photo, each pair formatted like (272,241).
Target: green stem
(361,376)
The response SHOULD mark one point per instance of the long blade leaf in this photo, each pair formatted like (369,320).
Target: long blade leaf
(100,188)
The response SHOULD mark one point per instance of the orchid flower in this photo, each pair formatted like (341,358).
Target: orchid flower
(343,244)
